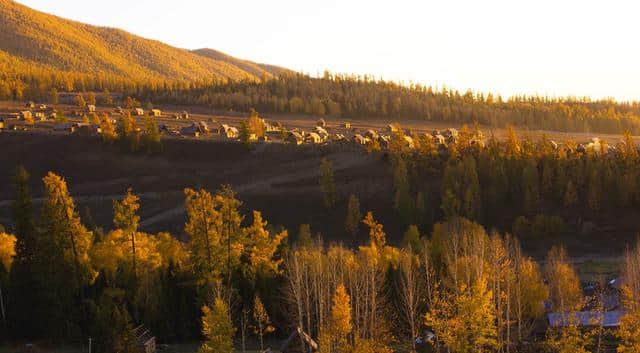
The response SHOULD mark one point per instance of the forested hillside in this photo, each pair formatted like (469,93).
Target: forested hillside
(364,97)
(33,43)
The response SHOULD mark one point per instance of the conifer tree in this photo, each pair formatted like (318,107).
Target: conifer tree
(79,100)
(217,329)
(354,216)
(304,236)
(327,183)
(126,219)
(91,98)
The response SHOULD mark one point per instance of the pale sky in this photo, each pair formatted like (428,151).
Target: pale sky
(547,47)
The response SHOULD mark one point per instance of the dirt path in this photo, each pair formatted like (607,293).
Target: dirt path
(340,162)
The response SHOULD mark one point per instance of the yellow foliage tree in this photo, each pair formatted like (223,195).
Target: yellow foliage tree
(126,219)
(464,320)
(68,238)
(341,319)
(217,329)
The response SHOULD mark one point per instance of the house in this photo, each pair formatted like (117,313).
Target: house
(91,108)
(184,115)
(192,131)
(229,132)
(66,127)
(203,127)
(145,340)
(139,112)
(391,128)
(347,125)
(586,318)
(451,135)
(384,141)
(299,342)
(295,137)
(313,137)
(409,141)
(88,129)
(359,139)
(155,113)
(371,134)
(30,105)
(42,107)
(26,114)
(338,137)
(40,116)
(53,116)
(322,132)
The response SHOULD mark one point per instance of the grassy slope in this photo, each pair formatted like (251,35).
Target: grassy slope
(35,39)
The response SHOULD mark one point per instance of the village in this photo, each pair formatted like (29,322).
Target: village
(83,121)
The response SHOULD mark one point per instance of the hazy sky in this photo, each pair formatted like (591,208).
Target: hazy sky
(554,47)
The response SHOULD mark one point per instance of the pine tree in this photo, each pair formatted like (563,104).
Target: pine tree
(304,236)
(79,100)
(126,219)
(354,216)
(411,238)
(69,239)
(91,98)
(54,97)
(151,136)
(106,97)
(530,187)
(217,329)
(327,183)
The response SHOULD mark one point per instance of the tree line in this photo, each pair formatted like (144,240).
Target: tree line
(344,96)
(534,189)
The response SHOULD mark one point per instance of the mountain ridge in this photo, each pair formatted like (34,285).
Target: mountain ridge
(30,39)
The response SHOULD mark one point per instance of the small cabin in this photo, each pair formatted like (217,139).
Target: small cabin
(229,132)
(91,108)
(295,138)
(24,115)
(138,112)
(359,139)
(191,131)
(145,339)
(88,129)
(66,127)
(347,125)
(155,113)
(313,137)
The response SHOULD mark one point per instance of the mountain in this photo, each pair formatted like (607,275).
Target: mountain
(33,40)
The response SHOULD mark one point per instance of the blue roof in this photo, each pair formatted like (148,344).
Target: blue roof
(586,318)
